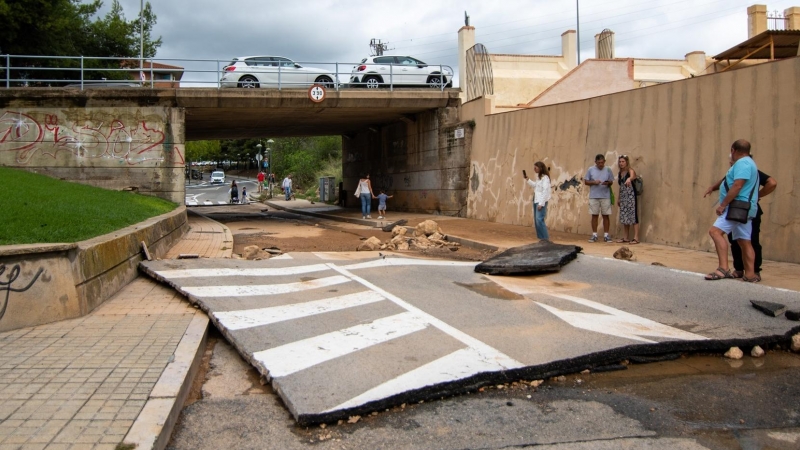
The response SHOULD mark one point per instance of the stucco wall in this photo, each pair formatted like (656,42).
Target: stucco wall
(593,78)
(109,147)
(418,161)
(678,137)
(520,78)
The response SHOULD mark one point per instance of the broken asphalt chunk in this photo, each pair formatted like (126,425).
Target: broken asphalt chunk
(390,227)
(793,314)
(769,308)
(540,257)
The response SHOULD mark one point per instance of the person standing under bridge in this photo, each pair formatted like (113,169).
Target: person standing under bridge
(287,187)
(364,192)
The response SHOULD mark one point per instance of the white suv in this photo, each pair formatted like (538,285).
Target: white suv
(375,71)
(217,176)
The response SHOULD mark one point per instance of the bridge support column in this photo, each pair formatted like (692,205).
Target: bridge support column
(419,160)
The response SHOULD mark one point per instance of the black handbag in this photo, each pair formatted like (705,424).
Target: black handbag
(739,210)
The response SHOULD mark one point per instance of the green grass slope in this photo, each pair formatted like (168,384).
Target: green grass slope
(39,209)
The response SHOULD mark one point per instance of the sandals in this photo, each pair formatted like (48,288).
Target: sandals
(634,242)
(737,273)
(620,241)
(755,279)
(715,275)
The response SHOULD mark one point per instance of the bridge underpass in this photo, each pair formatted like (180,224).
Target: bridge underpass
(122,138)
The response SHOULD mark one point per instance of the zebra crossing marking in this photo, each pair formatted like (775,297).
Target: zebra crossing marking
(245,272)
(248,318)
(305,353)
(263,289)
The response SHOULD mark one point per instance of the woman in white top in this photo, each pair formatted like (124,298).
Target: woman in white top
(364,192)
(541,189)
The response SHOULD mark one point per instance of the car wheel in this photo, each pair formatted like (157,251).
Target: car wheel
(248,81)
(324,81)
(372,82)
(435,82)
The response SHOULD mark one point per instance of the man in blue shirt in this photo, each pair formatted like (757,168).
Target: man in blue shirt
(740,184)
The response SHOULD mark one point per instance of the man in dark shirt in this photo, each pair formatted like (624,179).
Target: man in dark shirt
(768,185)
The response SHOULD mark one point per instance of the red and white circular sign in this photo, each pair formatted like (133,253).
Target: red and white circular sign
(316,93)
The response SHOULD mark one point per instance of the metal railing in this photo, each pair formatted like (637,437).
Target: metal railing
(92,72)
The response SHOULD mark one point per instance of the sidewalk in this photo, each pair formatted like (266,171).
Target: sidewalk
(481,234)
(119,374)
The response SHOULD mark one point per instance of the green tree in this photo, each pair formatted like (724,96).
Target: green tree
(72,28)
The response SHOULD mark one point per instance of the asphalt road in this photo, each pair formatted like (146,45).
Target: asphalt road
(338,338)
(203,193)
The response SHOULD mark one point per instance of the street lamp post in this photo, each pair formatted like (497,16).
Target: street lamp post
(269,165)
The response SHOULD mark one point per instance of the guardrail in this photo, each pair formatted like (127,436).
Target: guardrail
(271,72)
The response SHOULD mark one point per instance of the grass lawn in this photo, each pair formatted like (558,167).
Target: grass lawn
(39,209)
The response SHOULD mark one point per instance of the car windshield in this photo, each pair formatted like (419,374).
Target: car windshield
(218,174)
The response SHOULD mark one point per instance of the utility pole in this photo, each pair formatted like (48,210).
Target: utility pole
(141,40)
(378,47)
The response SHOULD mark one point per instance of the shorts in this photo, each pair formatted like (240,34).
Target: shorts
(737,229)
(599,206)
(381,207)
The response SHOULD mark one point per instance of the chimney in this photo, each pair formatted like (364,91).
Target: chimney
(569,48)
(792,16)
(697,61)
(466,40)
(756,20)
(604,45)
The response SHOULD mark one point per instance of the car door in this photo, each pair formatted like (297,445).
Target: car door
(291,75)
(411,71)
(384,66)
(263,68)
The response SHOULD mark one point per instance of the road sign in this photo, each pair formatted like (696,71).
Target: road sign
(459,134)
(316,93)
(259,157)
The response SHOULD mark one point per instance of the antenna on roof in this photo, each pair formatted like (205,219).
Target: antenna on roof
(377,47)
(466,19)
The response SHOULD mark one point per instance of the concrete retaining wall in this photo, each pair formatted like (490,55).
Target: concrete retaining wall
(49,282)
(677,135)
(418,161)
(108,146)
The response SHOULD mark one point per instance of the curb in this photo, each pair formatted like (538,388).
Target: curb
(152,429)
(477,245)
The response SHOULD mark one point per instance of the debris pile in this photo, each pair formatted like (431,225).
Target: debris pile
(426,235)
(255,253)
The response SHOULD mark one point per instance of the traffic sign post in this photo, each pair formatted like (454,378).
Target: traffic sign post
(317,93)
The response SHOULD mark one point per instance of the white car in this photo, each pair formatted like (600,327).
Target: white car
(273,72)
(377,71)
(217,176)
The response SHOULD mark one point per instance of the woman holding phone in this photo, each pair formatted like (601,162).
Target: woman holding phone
(541,195)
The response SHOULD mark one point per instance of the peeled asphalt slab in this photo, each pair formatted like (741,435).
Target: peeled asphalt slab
(540,257)
(414,332)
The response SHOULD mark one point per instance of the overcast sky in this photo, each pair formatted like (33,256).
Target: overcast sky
(340,30)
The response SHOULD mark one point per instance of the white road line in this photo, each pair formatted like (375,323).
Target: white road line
(294,357)
(384,262)
(264,289)
(487,352)
(457,365)
(616,323)
(191,203)
(248,318)
(207,202)
(242,272)
(283,256)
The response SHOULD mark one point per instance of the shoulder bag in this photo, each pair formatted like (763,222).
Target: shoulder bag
(739,210)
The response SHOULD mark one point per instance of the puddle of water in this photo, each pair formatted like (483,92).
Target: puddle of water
(491,290)
(533,284)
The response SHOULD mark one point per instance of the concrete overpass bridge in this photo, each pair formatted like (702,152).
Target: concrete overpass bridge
(120,138)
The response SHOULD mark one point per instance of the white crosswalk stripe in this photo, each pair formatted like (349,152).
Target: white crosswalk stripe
(248,318)
(244,272)
(290,358)
(263,289)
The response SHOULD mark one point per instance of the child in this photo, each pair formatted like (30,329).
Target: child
(243,199)
(382,204)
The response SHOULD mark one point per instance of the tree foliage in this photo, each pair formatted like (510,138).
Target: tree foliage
(304,157)
(72,28)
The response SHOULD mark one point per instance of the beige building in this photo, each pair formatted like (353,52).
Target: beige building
(525,81)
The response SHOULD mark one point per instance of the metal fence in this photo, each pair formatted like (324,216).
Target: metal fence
(266,72)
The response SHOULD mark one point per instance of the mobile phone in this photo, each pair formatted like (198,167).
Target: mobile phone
(524,174)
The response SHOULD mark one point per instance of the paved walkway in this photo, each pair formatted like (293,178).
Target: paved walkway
(775,274)
(113,376)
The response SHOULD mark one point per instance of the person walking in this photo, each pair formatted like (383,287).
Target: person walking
(541,196)
(768,185)
(234,192)
(737,207)
(260,180)
(599,178)
(287,187)
(628,201)
(364,192)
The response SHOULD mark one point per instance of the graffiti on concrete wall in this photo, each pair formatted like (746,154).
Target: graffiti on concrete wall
(131,140)
(7,285)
